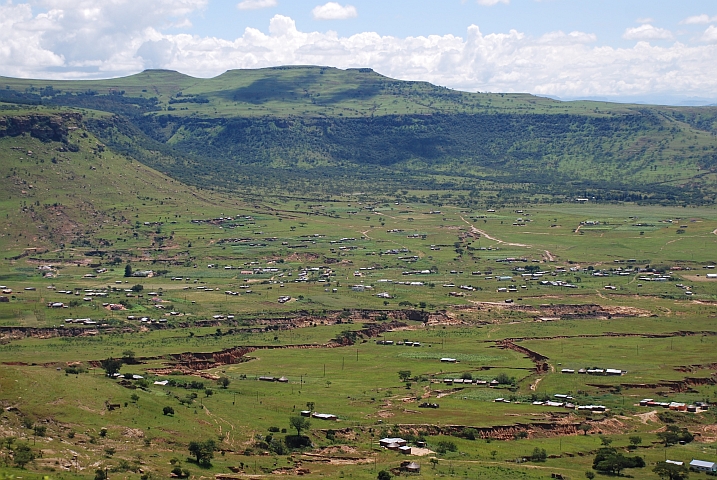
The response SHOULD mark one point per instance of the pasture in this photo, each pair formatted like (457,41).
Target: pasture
(515,293)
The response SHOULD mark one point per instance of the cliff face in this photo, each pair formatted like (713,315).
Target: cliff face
(49,127)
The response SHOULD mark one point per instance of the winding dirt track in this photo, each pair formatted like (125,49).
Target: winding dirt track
(485,235)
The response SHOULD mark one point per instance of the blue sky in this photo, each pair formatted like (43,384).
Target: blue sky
(659,51)
(608,19)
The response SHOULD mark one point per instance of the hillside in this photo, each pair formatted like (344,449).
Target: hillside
(62,187)
(316,129)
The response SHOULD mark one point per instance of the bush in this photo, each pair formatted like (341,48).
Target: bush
(539,455)
(446,446)
(180,472)
(168,411)
(384,475)
(297,441)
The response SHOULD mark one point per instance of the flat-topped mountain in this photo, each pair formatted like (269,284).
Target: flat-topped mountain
(331,130)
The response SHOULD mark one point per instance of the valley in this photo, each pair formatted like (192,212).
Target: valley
(504,328)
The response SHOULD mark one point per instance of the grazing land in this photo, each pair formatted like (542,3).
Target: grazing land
(396,313)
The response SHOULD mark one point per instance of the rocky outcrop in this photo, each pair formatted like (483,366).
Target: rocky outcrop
(49,127)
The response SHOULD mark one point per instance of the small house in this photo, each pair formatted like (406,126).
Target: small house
(305,413)
(411,467)
(324,416)
(406,450)
(703,466)
(385,442)
(448,360)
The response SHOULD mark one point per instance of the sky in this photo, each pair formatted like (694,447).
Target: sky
(657,51)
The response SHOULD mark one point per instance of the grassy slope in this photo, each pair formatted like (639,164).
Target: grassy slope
(54,195)
(667,152)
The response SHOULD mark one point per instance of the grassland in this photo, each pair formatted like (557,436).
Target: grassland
(76,217)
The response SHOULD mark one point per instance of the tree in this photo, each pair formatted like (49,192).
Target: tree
(585,428)
(134,397)
(310,406)
(674,434)
(128,270)
(504,379)
(40,431)
(168,411)
(589,475)
(384,475)
(404,375)
(208,392)
(128,356)
(539,455)
(22,455)
(111,365)
(434,462)
(608,460)
(224,382)
(299,423)
(605,441)
(635,440)
(203,451)
(137,288)
(671,471)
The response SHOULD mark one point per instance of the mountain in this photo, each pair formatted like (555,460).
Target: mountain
(307,130)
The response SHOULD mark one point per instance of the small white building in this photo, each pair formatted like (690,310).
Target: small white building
(385,442)
(703,466)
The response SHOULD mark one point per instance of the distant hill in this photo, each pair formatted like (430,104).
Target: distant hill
(318,129)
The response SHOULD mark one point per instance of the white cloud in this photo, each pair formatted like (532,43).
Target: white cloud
(647,32)
(645,20)
(710,34)
(490,3)
(334,11)
(699,19)
(256,4)
(57,44)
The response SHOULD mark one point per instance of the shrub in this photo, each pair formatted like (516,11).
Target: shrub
(446,446)
(539,455)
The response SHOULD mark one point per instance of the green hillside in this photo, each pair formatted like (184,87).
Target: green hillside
(318,129)
(62,187)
